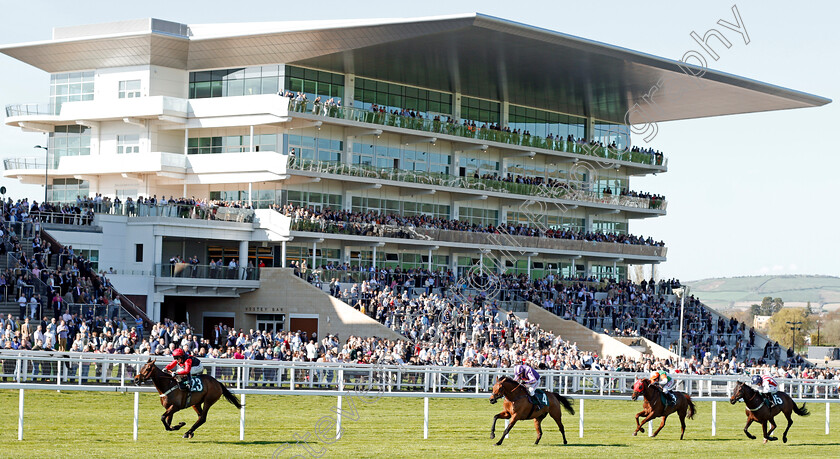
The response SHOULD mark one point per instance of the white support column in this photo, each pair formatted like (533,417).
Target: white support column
(186,152)
(581,418)
(250,194)
(136,413)
(243,256)
(425,418)
(456,105)
(314,254)
(242,418)
(283,254)
(714,418)
(251,140)
(430,260)
(529,266)
(20,415)
(374,257)
(827,413)
(349,89)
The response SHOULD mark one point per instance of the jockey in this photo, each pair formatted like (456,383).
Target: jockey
(665,381)
(765,385)
(190,366)
(529,378)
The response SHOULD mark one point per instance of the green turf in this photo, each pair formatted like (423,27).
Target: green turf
(100,425)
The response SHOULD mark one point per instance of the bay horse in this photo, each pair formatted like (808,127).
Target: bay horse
(654,408)
(760,412)
(518,406)
(174,399)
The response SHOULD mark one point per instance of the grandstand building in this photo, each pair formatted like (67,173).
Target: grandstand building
(469,118)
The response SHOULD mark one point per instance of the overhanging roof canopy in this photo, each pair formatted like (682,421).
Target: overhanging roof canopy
(474,54)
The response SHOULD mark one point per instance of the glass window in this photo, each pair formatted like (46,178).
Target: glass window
(427,103)
(231,144)
(73,140)
(480,111)
(128,144)
(544,123)
(129,89)
(314,83)
(70,87)
(246,81)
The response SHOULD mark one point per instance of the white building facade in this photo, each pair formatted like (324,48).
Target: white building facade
(155,108)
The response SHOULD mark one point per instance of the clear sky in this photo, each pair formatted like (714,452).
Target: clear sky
(748,194)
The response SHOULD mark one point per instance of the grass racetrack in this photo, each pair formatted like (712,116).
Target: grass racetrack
(100,425)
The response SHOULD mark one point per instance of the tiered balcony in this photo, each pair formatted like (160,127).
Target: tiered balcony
(570,191)
(458,130)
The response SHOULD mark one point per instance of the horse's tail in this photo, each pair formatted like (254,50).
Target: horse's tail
(565,402)
(692,410)
(230,397)
(802,411)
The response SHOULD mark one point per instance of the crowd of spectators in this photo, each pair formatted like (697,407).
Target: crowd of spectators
(366,223)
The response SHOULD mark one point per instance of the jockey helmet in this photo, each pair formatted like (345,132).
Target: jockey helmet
(178,353)
(756,380)
(654,376)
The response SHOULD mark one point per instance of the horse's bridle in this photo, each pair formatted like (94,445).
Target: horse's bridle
(518,385)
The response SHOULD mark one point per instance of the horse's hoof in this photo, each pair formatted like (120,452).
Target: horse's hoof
(492,436)
(642,430)
(784,439)
(635,433)
(773,438)
(188,435)
(498,443)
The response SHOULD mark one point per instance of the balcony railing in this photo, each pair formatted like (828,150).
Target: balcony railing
(454,129)
(25,163)
(30,109)
(189,211)
(570,190)
(476,238)
(191,271)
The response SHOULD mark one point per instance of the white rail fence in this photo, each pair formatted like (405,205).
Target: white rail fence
(114,373)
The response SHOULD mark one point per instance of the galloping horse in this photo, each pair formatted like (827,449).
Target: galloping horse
(174,399)
(654,408)
(758,411)
(518,406)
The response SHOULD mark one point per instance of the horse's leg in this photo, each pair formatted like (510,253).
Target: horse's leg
(644,421)
(538,426)
(790,423)
(764,430)
(641,429)
(772,422)
(502,415)
(661,425)
(557,415)
(202,416)
(746,428)
(513,419)
(166,418)
(682,424)
(202,407)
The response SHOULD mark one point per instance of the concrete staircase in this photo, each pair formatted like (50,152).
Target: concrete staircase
(574,332)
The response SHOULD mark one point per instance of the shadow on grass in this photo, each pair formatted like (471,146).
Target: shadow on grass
(260,442)
(597,445)
(811,444)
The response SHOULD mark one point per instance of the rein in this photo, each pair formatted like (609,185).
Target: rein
(752,397)
(518,386)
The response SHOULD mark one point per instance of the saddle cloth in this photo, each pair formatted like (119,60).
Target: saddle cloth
(195,384)
(541,396)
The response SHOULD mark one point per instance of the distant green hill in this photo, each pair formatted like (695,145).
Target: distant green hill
(739,292)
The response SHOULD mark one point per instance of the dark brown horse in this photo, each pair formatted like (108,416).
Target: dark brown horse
(174,399)
(759,411)
(654,408)
(518,406)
